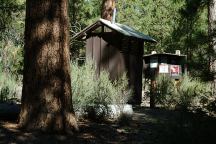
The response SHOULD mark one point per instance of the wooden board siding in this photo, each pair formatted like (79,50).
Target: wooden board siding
(96,53)
(121,64)
(113,62)
(126,57)
(89,49)
(104,56)
(135,70)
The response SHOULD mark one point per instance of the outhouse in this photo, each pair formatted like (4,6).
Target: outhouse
(118,49)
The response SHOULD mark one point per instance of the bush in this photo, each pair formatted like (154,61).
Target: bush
(10,66)
(165,91)
(191,92)
(185,93)
(11,58)
(93,94)
(9,88)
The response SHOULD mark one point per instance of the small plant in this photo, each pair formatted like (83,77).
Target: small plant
(10,66)
(11,58)
(165,89)
(185,93)
(191,92)
(9,87)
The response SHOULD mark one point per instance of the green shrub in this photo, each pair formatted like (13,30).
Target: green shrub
(10,66)
(9,87)
(11,58)
(165,91)
(185,93)
(95,92)
(191,92)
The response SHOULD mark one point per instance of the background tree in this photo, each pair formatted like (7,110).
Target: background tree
(212,44)
(107,9)
(46,96)
(82,13)
(11,37)
(11,20)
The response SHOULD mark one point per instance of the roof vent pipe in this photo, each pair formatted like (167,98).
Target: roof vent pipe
(114,16)
(178,52)
(153,52)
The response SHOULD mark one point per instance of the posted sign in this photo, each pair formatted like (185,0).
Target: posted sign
(163,68)
(174,70)
(153,62)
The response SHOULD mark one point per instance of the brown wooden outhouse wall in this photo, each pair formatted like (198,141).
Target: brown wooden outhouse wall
(117,54)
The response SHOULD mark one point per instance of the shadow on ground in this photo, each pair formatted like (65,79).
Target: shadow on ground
(147,126)
(160,126)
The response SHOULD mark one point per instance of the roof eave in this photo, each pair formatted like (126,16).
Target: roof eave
(150,40)
(104,22)
(143,39)
(81,33)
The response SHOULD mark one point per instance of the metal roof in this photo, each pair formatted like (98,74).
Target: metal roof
(123,29)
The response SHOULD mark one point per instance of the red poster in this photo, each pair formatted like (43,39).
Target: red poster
(174,69)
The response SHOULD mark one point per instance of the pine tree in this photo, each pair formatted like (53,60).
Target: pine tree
(212,36)
(46,96)
(107,9)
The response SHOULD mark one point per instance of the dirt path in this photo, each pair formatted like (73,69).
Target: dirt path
(147,126)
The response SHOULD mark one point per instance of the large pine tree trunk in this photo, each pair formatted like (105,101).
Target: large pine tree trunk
(212,36)
(107,9)
(46,96)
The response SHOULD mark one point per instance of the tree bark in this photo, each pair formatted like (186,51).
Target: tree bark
(46,95)
(107,9)
(212,43)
